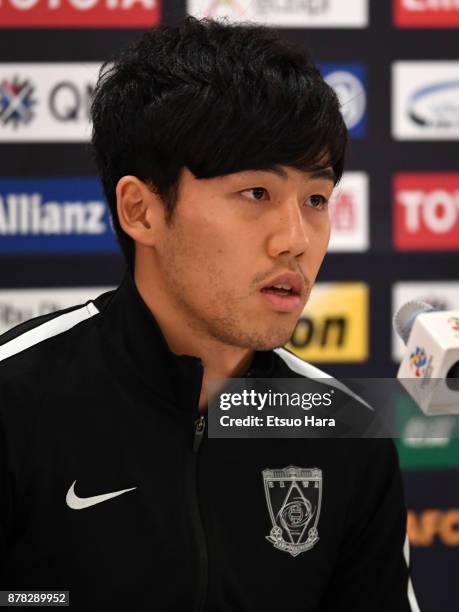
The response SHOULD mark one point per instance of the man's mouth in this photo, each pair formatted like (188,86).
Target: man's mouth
(284,292)
(288,283)
(279,290)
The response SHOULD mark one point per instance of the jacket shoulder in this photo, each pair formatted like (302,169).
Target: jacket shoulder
(27,345)
(297,366)
(369,451)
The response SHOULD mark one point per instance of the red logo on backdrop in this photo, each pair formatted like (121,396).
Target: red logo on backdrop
(426,212)
(342,211)
(79,13)
(426,13)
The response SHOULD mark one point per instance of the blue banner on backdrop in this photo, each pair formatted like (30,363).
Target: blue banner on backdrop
(350,84)
(54,215)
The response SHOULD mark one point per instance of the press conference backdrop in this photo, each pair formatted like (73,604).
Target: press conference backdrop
(395,217)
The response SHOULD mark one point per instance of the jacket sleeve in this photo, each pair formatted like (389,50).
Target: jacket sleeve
(5,501)
(372,569)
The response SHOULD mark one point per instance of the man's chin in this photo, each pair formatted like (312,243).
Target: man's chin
(253,336)
(270,341)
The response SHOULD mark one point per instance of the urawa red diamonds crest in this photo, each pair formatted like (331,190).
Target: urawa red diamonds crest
(294,497)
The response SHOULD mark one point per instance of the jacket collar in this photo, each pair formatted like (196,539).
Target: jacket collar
(137,337)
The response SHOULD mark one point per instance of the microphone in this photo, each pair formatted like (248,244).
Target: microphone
(429,370)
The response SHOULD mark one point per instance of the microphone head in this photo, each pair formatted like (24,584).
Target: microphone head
(405,316)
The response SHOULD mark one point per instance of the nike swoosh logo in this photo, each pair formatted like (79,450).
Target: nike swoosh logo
(78,503)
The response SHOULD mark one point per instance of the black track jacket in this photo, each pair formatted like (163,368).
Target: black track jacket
(93,403)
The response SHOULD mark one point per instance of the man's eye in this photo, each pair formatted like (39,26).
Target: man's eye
(258,192)
(317,201)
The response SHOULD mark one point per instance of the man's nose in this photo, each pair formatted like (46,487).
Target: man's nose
(290,231)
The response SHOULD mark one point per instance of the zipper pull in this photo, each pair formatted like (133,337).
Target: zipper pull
(199,428)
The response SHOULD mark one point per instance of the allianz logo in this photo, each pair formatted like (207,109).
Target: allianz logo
(22,213)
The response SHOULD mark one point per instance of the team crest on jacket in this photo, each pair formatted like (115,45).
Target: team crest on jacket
(294,497)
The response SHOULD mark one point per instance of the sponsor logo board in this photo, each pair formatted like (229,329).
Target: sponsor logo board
(426,13)
(79,13)
(46,102)
(426,211)
(348,210)
(423,442)
(441,294)
(350,84)
(290,13)
(334,324)
(19,305)
(433,525)
(425,100)
(432,500)
(54,215)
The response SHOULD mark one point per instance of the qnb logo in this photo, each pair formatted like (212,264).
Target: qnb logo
(22,214)
(16,102)
(49,101)
(69,102)
(435,105)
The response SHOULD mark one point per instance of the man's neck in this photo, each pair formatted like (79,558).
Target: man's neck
(219,360)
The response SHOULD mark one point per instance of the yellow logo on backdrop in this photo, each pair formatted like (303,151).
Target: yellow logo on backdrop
(423,527)
(333,326)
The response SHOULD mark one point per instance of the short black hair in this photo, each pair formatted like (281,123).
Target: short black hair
(214,97)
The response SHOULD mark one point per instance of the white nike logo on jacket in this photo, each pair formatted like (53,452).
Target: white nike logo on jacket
(78,503)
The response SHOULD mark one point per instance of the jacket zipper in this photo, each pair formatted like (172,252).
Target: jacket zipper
(202,582)
(199,428)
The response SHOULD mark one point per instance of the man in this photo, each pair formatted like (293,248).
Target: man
(218,147)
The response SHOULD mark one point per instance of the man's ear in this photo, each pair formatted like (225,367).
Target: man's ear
(139,209)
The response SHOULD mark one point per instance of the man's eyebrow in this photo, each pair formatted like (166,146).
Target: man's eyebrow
(324,173)
(320,173)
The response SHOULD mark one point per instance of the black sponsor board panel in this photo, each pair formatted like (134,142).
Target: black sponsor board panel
(432,499)
(374,152)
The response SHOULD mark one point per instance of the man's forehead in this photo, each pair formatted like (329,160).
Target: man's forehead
(317,172)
